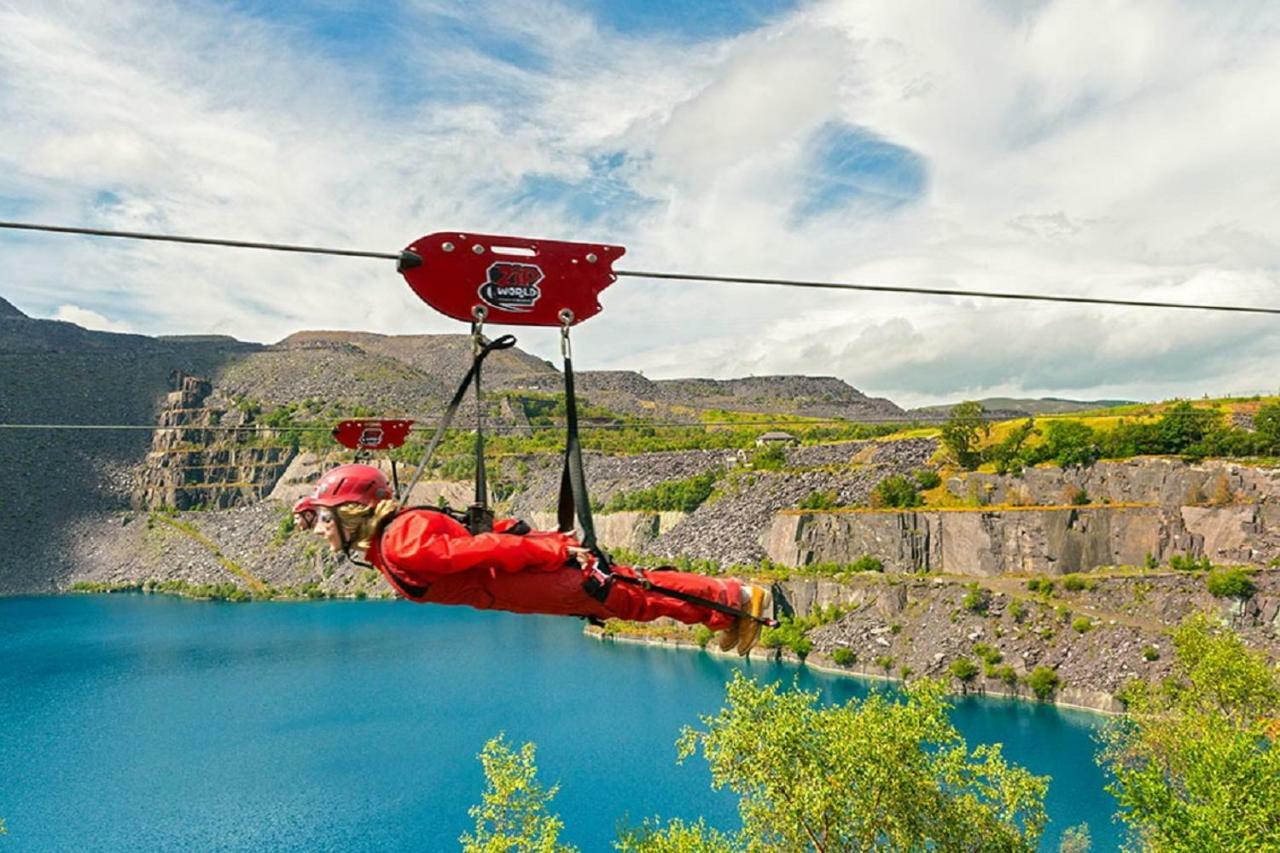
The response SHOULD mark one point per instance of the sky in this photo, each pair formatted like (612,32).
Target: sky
(1088,147)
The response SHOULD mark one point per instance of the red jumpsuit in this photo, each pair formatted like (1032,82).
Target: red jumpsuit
(428,556)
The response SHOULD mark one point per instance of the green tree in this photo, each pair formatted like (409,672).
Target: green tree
(675,837)
(513,812)
(963,432)
(1070,442)
(1267,422)
(1043,682)
(1230,582)
(896,490)
(964,670)
(1182,426)
(874,774)
(1008,455)
(1195,763)
(1075,839)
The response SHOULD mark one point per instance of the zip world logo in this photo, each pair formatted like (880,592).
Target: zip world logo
(512,286)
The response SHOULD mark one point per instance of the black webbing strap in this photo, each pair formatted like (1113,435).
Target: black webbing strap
(504,342)
(602,584)
(573,482)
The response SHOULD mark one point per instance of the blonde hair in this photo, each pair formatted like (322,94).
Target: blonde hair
(359,522)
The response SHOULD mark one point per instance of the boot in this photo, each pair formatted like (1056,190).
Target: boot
(760,601)
(729,636)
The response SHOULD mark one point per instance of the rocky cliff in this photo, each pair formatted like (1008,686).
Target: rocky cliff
(207,453)
(1147,509)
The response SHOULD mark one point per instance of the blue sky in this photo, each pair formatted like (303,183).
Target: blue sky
(1078,147)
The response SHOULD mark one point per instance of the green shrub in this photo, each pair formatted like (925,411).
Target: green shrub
(1073,582)
(772,458)
(927,478)
(1017,609)
(1068,443)
(1233,582)
(976,600)
(1010,455)
(1079,497)
(885,662)
(826,499)
(1150,561)
(702,635)
(989,655)
(674,495)
(844,657)
(866,563)
(1150,653)
(962,433)
(896,490)
(1082,624)
(1188,563)
(1043,682)
(964,669)
(1004,673)
(1044,586)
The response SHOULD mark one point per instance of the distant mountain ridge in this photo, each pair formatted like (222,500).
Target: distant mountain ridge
(1017,406)
(8,309)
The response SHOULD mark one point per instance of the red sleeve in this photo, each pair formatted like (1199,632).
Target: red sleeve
(429,544)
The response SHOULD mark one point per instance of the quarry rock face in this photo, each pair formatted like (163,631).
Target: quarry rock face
(1157,523)
(207,453)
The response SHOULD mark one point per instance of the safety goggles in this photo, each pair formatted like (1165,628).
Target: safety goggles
(307,518)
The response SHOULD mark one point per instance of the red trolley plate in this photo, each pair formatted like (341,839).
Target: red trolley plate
(510,280)
(372,435)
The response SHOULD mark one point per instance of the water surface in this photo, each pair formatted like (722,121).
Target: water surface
(135,722)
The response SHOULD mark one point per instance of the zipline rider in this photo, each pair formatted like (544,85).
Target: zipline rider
(427,555)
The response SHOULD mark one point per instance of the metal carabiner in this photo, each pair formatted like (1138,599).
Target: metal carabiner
(566,322)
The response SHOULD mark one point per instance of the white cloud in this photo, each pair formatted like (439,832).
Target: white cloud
(1072,146)
(89,319)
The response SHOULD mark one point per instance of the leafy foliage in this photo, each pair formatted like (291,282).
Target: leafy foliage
(679,495)
(820,500)
(896,490)
(963,432)
(1195,764)
(1267,423)
(964,669)
(977,599)
(513,813)
(771,458)
(875,774)
(1233,582)
(1188,563)
(1075,839)
(1009,454)
(927,478)
(793,630)
(1043,682)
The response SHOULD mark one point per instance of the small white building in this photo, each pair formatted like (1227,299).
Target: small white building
(769,439)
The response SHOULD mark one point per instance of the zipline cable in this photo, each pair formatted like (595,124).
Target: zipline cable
(678,276)
(200,241)
(938,291)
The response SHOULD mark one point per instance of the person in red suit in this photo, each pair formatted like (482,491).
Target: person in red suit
(428,556)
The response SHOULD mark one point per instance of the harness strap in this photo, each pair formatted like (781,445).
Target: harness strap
(573,483)
(598,582)
(504,342)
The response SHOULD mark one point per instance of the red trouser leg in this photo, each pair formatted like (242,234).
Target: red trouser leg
(560,593)
(638,604)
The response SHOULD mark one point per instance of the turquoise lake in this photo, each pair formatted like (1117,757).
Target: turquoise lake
(135,722)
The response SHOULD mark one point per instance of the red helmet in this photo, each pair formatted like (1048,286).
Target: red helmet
(362,484)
